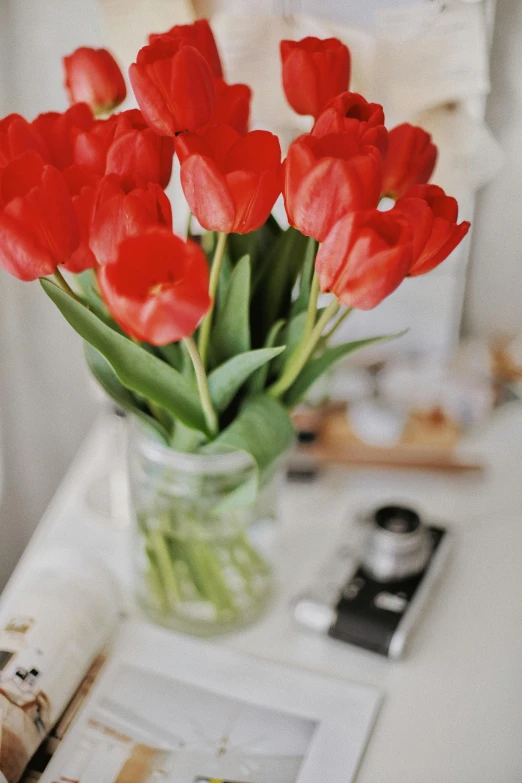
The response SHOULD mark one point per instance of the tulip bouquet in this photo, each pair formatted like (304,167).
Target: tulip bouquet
(212,340)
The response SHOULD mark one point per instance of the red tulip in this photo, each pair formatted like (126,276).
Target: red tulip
(365,257)
(17,136)
(410,160)
(157,288)
(60,131)
(231,182)
(433,219)
(232,106)
(351,112)
(314,72)
(173,85)
(38,226)
(125,145)
(327,177)
(82,185)
(123,215)
(199,35)
(92,76)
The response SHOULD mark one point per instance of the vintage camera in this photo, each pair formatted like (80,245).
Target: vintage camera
(373,595)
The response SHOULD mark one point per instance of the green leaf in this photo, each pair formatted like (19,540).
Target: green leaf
(108,380)
(259,378)
(231,332)
(262,428)
(305,283)
(172,354)
(138,370)
(316,367)
(256,243)
(223,282)
(292,337)
(226,380)
(91,294)
(274,282)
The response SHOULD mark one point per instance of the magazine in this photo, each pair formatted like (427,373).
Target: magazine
(86,697)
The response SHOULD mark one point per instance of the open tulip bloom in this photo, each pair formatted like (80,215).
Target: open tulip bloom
(212,340)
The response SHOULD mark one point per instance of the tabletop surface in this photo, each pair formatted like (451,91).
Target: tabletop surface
(453,706)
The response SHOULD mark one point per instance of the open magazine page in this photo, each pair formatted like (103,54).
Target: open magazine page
(167,708)
(52,627)
(49,746)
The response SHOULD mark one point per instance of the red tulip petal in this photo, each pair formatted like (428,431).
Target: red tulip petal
(364,258)
(192,89)
(331,189)
(444,238)
(301,83)
(207,193)
(20,252)
(157,290)
(257,151)
(21,175)
(151,102)
(58,218)
(420,218)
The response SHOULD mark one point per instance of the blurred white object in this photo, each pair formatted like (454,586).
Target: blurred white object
(408,385)
(469,155)
(514,351)
(351,384)
(375,424)
(473,357)
(431,54)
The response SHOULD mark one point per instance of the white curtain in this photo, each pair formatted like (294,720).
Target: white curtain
(46,403)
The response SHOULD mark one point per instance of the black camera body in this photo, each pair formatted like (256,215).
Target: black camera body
(374,597)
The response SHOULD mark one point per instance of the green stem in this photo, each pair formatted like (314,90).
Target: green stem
(215,269)
(189,222)
(338,322)
(312,306)
(201,378)
(303,352)
(64,285)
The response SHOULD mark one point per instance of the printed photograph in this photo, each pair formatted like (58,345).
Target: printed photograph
(151,729)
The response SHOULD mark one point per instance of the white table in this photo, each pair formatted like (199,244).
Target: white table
(453,706)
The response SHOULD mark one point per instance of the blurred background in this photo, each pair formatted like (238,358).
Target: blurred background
(451,66)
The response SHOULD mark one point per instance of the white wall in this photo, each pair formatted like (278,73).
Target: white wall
(494,292)
(46,405)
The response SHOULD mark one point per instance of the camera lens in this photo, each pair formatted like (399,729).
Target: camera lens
(397,519)
(398,545)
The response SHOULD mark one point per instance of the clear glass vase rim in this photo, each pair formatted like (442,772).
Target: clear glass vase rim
(209,464)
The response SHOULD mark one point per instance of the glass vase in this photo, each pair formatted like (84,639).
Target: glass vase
(203,536)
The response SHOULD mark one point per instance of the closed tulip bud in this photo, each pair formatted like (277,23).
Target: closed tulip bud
(231,182)
(410,160)
(365,257)
(432,216)
(92,76)
(352,113)
(314,72)
(157,287)
(174,86)
(38,225)
(327,177)
(199,35)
